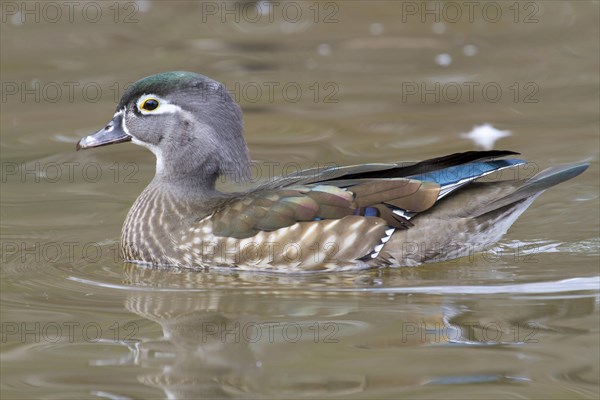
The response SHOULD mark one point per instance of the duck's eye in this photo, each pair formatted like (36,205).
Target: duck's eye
(150,104)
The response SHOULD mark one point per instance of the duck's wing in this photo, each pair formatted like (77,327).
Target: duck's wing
(269,210)
(381,194)
(385,170)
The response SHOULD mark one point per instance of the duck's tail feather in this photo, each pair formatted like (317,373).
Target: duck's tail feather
(534,186)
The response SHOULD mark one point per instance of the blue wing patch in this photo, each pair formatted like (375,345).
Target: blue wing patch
(452,178)
(453,175)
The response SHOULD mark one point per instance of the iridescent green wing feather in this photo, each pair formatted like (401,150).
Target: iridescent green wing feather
(272,209)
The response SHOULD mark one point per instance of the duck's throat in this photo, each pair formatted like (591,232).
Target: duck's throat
(163,213)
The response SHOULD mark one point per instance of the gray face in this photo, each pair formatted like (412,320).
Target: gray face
(187,120)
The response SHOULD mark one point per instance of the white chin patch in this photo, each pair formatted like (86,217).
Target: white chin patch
(164,107)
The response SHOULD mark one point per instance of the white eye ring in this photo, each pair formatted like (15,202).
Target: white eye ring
(163,107)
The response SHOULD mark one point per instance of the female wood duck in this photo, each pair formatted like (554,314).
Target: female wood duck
(342,218)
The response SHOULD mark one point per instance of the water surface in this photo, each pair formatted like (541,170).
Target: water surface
(376,84)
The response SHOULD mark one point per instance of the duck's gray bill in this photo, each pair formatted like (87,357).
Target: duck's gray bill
(112,133)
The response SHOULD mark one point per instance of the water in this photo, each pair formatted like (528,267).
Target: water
(375,84)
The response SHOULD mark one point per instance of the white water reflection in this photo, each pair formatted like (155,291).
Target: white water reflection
(565,285)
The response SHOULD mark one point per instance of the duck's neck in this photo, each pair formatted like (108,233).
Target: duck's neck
(176,197)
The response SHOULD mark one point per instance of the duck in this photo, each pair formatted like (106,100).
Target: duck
(339,218)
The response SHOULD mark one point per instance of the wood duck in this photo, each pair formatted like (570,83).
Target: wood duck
(334,219)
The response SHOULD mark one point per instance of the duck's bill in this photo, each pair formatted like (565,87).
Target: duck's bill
(111,133)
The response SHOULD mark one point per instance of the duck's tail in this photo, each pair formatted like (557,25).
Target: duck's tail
(534,186)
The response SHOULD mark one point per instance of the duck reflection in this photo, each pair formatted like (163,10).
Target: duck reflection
(223,338)
(243,335)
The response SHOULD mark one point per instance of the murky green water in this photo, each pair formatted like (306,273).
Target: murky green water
(342,82)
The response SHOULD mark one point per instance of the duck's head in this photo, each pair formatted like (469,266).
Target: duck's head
(190,123)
